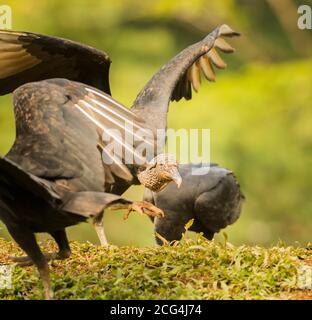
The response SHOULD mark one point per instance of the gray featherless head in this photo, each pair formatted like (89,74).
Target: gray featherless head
(159,172)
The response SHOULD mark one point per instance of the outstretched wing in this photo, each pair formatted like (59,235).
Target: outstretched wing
(175,80)
(204,64)
(62,124)
(27,57)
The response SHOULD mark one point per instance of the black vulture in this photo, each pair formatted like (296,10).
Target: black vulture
(26,57)
(213,199)
(53,176)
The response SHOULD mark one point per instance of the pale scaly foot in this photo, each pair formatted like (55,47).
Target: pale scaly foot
(142,207)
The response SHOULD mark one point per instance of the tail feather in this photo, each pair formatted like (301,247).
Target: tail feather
(90,204)
(86,203)
(12,174)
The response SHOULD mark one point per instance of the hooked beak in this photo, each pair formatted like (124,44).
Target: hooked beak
(175,176)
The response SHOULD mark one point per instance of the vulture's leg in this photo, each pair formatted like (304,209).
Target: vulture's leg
(142,207)
(99,228)
(64,250)
(118,188)
(27,241)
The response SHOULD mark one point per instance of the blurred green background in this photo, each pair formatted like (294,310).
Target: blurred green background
(259,111)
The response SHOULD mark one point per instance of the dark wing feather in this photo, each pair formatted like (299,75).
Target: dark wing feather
(27,57)
(115,123)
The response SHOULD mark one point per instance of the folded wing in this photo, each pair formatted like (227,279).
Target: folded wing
(64,130)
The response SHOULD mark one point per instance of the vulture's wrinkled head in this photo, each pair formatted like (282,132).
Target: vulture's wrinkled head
(159,172)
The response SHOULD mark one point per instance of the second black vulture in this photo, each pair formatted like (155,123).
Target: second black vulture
(212,198)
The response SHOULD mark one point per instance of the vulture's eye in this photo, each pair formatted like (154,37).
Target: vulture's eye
(153,166)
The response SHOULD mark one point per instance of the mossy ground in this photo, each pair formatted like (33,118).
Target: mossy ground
(189,269)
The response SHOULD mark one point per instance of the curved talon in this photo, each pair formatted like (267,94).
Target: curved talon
(25,261)
(19,259)
(126,215)
(22,261)
(142,207)
(149,209)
